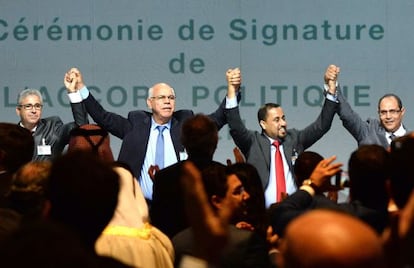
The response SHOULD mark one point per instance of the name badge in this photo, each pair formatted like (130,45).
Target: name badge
(44,149)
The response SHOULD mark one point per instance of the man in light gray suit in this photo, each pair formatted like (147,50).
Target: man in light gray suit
(371,131)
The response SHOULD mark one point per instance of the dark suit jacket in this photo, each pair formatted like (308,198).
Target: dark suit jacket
(256,146)
(135,130)
(57,134)
(282,213)
(244,248)
(167,211)
(364,132)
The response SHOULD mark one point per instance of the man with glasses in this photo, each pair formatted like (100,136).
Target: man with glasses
(372,131)
(50,134)
(139,131)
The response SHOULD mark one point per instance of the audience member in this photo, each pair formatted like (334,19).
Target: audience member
(254,216)
(368,169)
(323,238)
(128,237)
(83,194)
(16,149)
(29,188)
(372,131)
(305,164)
(25,201)
(140,129)
(241,248)
(399,236)
(50,134)
(259,148)
(199,137)
(91,138)
(48,244)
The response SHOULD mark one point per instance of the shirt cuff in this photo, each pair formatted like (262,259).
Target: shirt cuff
(328,95)
(84,92)
(231,102)
(75,97)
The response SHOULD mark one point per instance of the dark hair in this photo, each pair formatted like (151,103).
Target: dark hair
(29,188)
(83,193)
(368,170)
(390,95)
(17,144)
(199,135)
(215,181)
(305,164)
(262,112)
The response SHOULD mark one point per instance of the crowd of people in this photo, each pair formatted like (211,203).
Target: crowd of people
(165,201)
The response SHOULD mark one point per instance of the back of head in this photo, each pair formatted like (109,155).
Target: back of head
(215,181)
(29,188)
(83,193)
(305,164)
(402,175)
(199,135)
(16,147)
(368,170)
(322,238)
(91,138)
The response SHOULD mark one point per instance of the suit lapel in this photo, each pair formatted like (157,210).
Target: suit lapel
(175,136)
(264,144)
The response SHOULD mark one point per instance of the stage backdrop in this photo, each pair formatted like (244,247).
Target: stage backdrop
(282,47)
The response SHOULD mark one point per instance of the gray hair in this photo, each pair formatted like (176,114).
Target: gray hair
(151,89)
(29,91)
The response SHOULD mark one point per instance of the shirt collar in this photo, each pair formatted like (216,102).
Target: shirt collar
(155,124)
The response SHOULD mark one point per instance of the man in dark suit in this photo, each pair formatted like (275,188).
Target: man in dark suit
(139,130)
(199,137)
(257,146)
(372,131)
(50,134)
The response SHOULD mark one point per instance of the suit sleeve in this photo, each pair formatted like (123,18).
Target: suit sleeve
(219,116)
(280,214)
(322,124)
(111,122)
(350,119)
(242,137)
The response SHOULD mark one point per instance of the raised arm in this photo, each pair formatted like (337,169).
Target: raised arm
(111,122)
(231,100)
(352,122)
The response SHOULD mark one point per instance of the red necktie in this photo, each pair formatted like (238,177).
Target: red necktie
(280,173)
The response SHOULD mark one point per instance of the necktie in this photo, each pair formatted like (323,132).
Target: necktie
(392,136)
(280,173)
(159,149)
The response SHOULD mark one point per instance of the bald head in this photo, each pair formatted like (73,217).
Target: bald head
(323,238)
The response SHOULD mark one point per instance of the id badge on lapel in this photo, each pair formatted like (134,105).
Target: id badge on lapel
(44,149)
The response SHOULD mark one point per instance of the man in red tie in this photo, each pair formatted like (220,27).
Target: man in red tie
(275,162)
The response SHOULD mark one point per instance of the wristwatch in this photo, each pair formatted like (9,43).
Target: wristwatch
(310,183)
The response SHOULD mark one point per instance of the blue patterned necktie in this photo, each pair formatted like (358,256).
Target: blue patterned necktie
(159,149)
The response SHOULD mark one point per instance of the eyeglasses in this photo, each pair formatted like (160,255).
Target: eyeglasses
(392,112)
(30,106)
(162,97)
